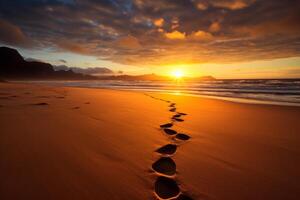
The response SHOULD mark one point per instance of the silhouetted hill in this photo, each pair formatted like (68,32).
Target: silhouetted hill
(153,77)
(145,77)
(13,66)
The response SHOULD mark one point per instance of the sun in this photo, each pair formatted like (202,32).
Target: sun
(177,73)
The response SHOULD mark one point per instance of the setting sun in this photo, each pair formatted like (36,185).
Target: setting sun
(148,99)
(177,74)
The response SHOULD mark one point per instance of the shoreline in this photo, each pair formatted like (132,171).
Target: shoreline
(85,143)
(183,93)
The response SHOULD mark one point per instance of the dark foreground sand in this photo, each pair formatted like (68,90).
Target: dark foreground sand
(73,143)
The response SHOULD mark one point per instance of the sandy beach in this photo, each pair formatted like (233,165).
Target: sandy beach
(78,143)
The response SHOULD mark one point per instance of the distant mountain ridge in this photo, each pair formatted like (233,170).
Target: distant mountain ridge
(13,66)
(153,77)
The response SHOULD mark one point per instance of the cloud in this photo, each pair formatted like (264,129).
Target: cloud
(285,26)
(197,35)
(159,22)
(12,35)
(140,33)
(175,35)
(72,47)
(232,4)
(128,42)
(215,27)
(201,35)
(201,6)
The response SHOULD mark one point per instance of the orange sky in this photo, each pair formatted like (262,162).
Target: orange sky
(222,38)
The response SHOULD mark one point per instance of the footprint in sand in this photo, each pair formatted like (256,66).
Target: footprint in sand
(168,125)
(182,136)
(40,104)
(168,149)
(184,197)
(177,115)
(178,119)
(170,131)
(75,108)
(165,165)
(87,103)
(166,187)
(172,110)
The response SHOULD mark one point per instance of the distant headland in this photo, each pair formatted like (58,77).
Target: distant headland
(14,67)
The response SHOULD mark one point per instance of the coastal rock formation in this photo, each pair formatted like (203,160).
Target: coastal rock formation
(13,66)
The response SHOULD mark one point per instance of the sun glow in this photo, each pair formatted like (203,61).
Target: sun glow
(177,73)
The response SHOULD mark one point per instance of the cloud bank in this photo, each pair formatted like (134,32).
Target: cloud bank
(140,32)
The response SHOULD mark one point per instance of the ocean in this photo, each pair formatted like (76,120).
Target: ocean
(281,92)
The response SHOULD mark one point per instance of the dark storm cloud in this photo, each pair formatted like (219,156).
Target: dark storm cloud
(12,35)
(156,32)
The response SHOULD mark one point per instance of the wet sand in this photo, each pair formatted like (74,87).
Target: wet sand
(76,143)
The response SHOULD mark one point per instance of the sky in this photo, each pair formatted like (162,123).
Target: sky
(222,38)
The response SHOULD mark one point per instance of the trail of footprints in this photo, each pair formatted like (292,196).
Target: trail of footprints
(165,186)
(8,96)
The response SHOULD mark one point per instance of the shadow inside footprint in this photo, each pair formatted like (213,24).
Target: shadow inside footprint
(172,110)
(184,197)
(172,105)
(168,125)
(178,119)
(170,131)
(182,136)
(168,149)
(166,187)
(181,113)
(75,108)
(165,165)
(40,104)
(177,115)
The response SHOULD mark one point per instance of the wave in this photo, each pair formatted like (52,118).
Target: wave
(276,91)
